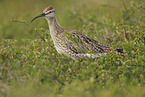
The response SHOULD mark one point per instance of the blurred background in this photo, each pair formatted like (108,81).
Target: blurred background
(75,14)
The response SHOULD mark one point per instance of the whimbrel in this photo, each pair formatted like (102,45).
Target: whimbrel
(73,43)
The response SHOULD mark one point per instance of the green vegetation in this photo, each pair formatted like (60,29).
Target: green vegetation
(30,67)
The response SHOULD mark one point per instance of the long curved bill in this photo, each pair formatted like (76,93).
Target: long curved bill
(43,14)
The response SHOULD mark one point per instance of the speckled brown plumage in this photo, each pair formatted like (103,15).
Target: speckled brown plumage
(73,43)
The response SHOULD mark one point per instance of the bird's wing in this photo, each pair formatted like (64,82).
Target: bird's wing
(81,43)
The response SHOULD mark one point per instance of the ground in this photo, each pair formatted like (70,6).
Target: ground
(31,67)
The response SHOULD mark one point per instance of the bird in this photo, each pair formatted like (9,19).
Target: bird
(73,43)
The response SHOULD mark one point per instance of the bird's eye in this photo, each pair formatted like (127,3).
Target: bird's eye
(50,12)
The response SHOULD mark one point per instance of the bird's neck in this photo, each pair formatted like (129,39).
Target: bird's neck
(54,27)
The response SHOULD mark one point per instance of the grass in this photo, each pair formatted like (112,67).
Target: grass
(30,67)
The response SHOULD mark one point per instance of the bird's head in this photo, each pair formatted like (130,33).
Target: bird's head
(48,13)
